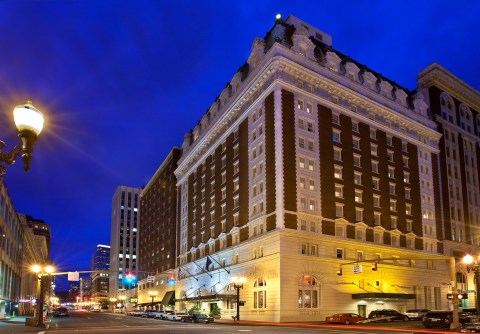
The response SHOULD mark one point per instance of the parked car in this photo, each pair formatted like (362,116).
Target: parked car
(200,318)
(388,315)
(149,314)
(60,312)
(438,319)
(344,318)
(416,314)
(135,313)
(161,314)
(469,329)
(95,310)
(177,316)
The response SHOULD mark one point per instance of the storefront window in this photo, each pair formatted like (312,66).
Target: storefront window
(260,293)
(308,292)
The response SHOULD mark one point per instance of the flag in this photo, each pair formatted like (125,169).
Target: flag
(180,273)
(208,263)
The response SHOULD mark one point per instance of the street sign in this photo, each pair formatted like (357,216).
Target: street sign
(73,276)
(150,279)
(357,269)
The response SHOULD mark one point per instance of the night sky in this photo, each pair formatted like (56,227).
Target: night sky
(120,82)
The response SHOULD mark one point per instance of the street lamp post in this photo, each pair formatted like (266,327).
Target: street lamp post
(237,285)
(152,294)
(41,273)
(472,264)
(29,122)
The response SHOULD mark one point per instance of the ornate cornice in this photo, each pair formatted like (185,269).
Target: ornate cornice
(436,75)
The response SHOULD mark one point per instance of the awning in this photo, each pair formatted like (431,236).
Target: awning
(214,297)
(383,295)
(169,298)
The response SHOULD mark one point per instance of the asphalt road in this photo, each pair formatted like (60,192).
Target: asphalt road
(83,322)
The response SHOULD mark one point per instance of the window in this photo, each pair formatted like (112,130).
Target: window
(260,294)
(390,155)
(375,166)
(391,172)
(407,193)
(340,253)
(375,183)
(356,160)
(302,162)
(391,188)
(309,108)
(339,190)
(374,149)
(406,177)
(301,142)
(338,209)
(311,184)
(405,161)
(358,214)
(310,145)
(236,184)
(393,205)
(358,196)
(335,118)
(310,126)
(336,136)
(356,143)
(408,208)
(337,172)
(300,104)
(357,178)
(302,182)
(337,154)
(389,140)
(373,134)
(308,292)
(354,126)
(236,167)
(377,218)
(311,164)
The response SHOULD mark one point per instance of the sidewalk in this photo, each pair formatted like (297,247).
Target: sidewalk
(17,325)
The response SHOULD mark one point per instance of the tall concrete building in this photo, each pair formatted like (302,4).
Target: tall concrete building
(158,218)
(100,272)
(308,168)
(124,238)
(85,288)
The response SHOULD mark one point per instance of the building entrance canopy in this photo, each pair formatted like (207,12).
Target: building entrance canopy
(214,297)
(169,298)
(383,295)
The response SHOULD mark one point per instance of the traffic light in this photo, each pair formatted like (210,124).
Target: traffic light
(374,266)
(171,280)
(339,271)
(462,296)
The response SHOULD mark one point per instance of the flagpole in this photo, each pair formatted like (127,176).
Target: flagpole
(228,271)
(180,268)
(203,269)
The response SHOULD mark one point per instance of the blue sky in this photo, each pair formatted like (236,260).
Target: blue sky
(120,82)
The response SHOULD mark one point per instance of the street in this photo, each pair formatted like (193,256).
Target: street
(83,322)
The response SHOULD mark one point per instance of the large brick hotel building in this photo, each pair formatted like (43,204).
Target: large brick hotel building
(309,161)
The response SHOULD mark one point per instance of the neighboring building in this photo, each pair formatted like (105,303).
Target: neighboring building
(456,108)
(100,272)
(74,291)
(40,228)
(158,218)
(35,251)
(86,287)
(124,238)
(12,267)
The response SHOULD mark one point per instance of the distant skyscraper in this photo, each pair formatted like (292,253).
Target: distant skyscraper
(74,291)
(85,287)
(124,237)
(100,280)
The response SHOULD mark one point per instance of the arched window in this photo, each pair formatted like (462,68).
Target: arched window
(466,119)
(260,293)
(308,292)
(447,108)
